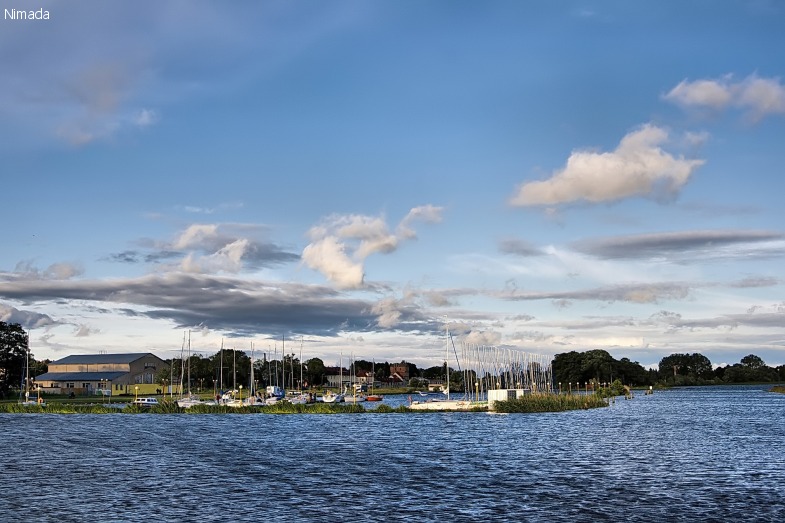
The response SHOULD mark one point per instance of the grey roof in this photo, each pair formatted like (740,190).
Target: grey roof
(79,376)
(101,358)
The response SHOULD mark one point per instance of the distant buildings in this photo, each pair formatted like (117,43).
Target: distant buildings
(89,373)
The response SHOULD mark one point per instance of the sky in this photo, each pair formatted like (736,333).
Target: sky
(356,177)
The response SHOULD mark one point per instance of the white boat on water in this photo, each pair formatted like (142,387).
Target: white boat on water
(446,403)
(298,399)
(186,402)
(331,397)
(355,398)
(145,402)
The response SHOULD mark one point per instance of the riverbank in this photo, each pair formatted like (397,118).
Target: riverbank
(525,404)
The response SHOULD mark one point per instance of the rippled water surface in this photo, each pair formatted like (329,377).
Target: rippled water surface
(702,454)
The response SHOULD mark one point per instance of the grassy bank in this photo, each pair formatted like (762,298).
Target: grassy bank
(525,404)
(550,403)
(778,388)
(170,407)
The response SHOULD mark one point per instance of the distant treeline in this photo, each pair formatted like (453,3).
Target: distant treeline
(677,369)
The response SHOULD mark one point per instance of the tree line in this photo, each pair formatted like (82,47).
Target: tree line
(230,368)
(599,366)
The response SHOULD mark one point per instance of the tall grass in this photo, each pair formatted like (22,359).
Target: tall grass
(550,403)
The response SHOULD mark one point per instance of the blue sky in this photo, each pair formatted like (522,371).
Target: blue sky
(546,176)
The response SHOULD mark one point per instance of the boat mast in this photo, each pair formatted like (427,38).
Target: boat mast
(26,386)
(301,363)
(447,356)
(182,364)
(250,385)
(221,377)
(189,363)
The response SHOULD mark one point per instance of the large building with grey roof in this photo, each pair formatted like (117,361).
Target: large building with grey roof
(90,373)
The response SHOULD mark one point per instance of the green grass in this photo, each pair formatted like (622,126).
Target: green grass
(778,388)
(529,403)
(550,403)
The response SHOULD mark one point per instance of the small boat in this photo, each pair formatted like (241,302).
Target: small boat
(145,402)
(374,397)
(331,397)
(192,400)
(355,398)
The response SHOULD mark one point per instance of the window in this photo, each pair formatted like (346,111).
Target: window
(69,385)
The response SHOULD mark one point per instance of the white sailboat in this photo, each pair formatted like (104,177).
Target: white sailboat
(330,396)
(447,403)
(24,390)
(189,400)
(357,396)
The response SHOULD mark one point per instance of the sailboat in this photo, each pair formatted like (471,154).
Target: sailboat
(24,390)
(447,403)
(372,396)
(357,395)
(190,400)
(330,396)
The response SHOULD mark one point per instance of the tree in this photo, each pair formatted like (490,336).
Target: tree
(686,369)
(14,345)
(752,362)
(568,367)
(597,364)
(314,370)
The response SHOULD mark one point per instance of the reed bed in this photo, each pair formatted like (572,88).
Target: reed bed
(543,402)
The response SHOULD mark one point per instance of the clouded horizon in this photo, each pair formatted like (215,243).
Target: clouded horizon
(355,176)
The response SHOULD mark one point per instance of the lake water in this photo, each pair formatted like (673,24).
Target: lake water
(700,454)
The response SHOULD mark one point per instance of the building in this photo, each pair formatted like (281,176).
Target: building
(400,370)
(100,373)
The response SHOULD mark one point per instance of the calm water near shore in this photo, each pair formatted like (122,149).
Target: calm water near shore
(700,454)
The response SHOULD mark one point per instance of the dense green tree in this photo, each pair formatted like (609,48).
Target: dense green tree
(13,352)
(630,372)
(315,372)
(434,373)
(568,367)
(686,369)
(751,368)
(753,362)
(597,365)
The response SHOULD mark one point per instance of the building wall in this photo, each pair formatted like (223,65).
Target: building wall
(90,367)
(144,369)
(401,369)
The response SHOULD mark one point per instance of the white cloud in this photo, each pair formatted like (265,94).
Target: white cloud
(195,235)
(228,258)
(328,256)
(56,271)
(706,93)
(341,243)
(424,213)
(637,167)
(758,97)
